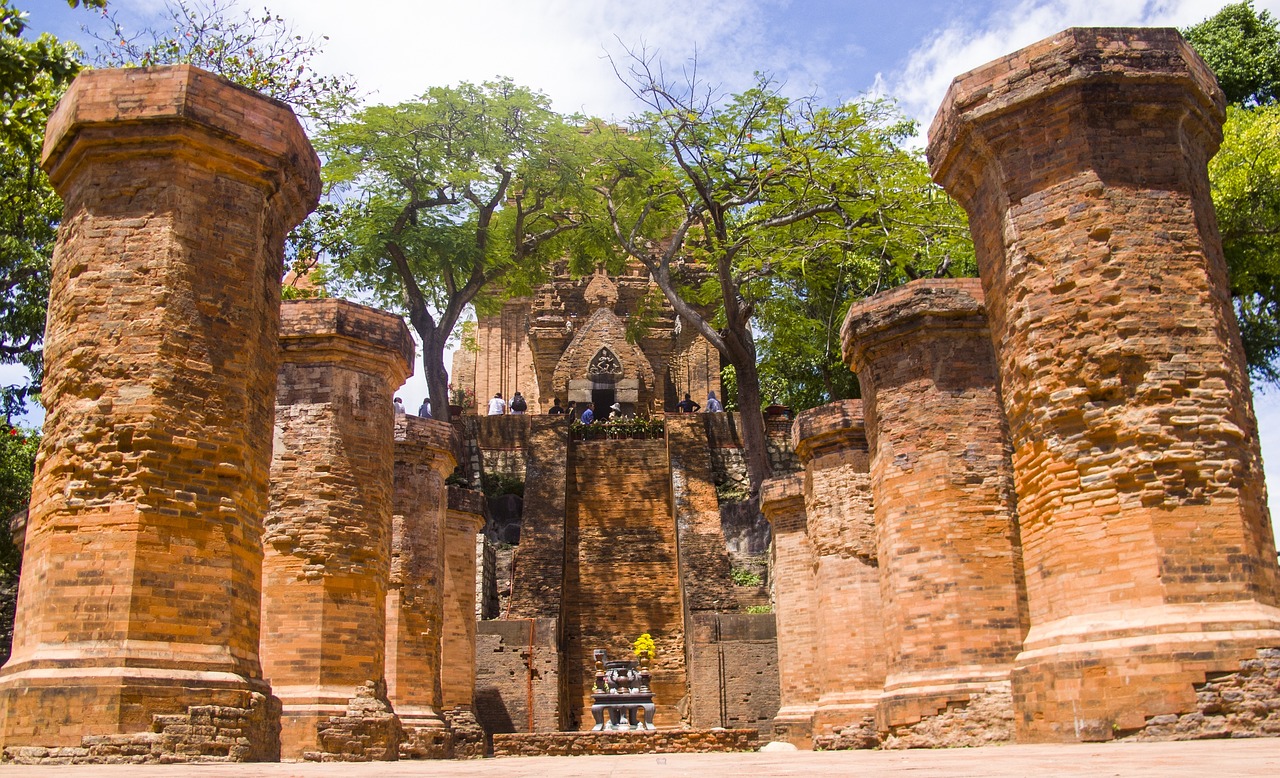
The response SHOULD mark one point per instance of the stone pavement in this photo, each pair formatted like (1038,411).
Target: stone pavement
(1205,759)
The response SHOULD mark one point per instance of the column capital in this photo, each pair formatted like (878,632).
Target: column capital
(328,329)
(782,502)
(936,304)
(836,426)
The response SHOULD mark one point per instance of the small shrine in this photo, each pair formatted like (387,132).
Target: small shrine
(621,700)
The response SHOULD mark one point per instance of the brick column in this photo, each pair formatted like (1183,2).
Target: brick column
(464,520)
(946,526)
(832,445)
(1150,561)
(425,454)
(328,534)
(795,599)
(139,597)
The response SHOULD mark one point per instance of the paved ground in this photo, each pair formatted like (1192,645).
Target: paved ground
(1205,759)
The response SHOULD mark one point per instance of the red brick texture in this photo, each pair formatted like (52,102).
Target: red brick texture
(946,527)
(831,443)
(1149,559)
(328,534)
(464,520)
(140,590)
(425,454)
(795,605)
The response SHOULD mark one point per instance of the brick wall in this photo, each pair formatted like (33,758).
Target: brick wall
(733,671)
(518,676)
(463,522)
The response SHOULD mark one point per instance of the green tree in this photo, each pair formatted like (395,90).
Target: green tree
(17,466)
(758,195)
(465,191)
(1242,46)
(33,76)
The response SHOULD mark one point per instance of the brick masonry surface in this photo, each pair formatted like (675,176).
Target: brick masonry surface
(464,519)
(518,668)
(659,742)
(946,528)
(426,452)
(1150,563)
(831,441)
(139,602)
(328,533)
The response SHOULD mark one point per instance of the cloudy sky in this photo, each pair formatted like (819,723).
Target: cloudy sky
(909,50)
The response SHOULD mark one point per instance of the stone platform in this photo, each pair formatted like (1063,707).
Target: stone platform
(663,741)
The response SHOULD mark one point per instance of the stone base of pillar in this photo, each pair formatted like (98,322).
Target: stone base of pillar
(838,711)
(980,716)
(912,697)
(127,715)
(468,735)
(1101,676)
(794,724)
(322,726)
(426,735)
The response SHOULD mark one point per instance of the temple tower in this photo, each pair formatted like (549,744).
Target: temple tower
(1149,559)
(139,603)
(327,536)
(946,528)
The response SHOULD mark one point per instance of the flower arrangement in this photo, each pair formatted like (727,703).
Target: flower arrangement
(644,646)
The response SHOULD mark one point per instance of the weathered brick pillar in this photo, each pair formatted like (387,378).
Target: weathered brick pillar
(140,582)
(832,445)
(796,601)
(1150,562)
(464,520)
(946,525)
(328,534)
(425,454)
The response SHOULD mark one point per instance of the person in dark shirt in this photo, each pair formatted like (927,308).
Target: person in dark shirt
(688,406)
(556,408)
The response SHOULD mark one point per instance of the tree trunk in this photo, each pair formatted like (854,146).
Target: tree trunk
(434,370)
(751,424)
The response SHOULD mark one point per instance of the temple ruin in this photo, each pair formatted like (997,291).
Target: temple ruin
(1045,519)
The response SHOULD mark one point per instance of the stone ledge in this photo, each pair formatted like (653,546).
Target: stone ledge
(836,426)
(674,741)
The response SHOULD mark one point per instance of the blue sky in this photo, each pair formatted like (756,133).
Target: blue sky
(909,49)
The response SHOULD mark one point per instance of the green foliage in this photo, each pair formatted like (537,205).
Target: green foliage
(499,484)
(629,427)
(1242,47)
(759,609)
(33,76)
(17,467)
(459,197)
(745,576)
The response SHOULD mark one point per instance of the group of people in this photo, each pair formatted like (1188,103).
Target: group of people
(518,406)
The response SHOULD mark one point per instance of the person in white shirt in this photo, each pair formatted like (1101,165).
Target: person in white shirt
(497,406)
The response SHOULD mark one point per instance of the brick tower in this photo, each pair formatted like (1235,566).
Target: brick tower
(140,586)
(1149,559)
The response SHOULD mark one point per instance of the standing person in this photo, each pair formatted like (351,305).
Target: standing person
(616,409)
(573,410)
(518,405)
(688,406)
(399,406)
(497,406)
(588,415)
(556,409)
(713,405)
(424,410)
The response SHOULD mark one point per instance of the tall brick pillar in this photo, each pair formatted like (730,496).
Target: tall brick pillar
(139,597)
(327,537)
(425,454)
(795,600)
(946,526)
(463,522)
(1150,562)
(831,442)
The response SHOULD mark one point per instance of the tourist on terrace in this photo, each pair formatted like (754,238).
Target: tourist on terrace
(399,406)
(497,406)
(424,410)
(518,404)
(588,415)
(556,408)
(713,405)
(688,406)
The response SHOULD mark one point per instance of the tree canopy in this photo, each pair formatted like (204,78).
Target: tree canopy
(756,209)
(1242,46)
(466,189)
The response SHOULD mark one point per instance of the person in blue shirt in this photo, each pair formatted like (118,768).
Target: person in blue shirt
(713,405)
(588,415)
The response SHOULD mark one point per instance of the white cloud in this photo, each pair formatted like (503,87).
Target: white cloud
(969,43)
